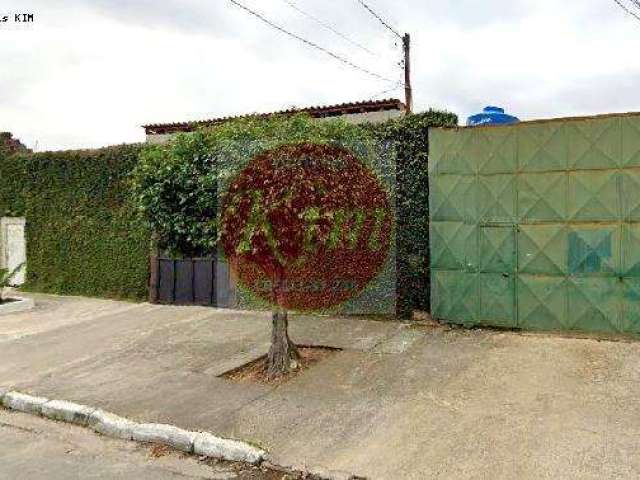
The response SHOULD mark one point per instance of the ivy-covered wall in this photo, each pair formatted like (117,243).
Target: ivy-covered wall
(409,137)
(12,181)
(85,238)
(83,235)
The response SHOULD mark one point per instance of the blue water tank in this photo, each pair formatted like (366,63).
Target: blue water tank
(491,116)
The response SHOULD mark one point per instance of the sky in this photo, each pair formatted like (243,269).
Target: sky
(87,74)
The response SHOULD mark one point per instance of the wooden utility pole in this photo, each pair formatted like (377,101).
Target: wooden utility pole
(408,93)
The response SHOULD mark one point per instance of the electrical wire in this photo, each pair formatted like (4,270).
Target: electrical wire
(361,2)
(627,9)
(310,44)
(384,92)
(328,27)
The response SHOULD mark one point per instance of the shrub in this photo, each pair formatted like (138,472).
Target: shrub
(176,185)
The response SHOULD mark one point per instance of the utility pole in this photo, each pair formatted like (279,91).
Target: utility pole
(408,92)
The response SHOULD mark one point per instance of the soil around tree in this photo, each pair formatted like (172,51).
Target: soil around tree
(256,370)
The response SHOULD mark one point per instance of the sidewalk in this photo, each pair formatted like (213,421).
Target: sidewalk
(397,402)
(38,449)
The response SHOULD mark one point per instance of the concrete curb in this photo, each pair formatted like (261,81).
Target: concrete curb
(23,403)
(165,435)
(212,446)
(110,425)
(67,412)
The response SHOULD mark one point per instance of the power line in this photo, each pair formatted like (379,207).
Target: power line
(398,85)
(309,43)
(627,9)
(327,26)
(361,2)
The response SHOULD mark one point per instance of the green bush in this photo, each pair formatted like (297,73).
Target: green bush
(409,138)
(175,188)
(176,185)
(83,235)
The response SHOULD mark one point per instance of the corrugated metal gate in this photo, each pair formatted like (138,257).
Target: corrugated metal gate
(189,281)
(537,225)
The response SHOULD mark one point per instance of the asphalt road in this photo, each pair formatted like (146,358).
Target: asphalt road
(32,448)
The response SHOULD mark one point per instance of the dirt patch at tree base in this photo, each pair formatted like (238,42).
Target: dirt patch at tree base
(256,370)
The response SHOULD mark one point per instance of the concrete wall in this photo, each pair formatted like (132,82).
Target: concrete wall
(355,118)
(13,247)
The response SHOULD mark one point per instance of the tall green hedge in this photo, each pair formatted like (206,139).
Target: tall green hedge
(12,181)
(83,235)
(409,137)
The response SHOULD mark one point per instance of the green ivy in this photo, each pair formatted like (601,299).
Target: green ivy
(12,178)
(409,138)
(83,235)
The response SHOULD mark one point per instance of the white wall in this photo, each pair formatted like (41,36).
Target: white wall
(13,247)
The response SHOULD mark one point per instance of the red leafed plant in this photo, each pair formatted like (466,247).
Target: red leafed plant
(306,227)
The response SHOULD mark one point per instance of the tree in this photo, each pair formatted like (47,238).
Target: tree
(302,218)
(306,226)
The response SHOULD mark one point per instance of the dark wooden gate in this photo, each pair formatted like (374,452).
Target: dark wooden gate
(187,281)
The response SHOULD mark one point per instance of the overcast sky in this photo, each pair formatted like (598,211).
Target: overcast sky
(89,73)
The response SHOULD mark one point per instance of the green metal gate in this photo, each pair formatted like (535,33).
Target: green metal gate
(537,225)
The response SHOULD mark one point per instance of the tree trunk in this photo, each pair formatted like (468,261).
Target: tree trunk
(283,355)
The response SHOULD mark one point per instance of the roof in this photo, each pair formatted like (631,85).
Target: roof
(367,106)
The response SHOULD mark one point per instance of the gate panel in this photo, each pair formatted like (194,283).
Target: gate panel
(630,320)
(497,299)
(542,302)
(556,210)
(542,249)
(166,283)
(187,281)
(204,282)
(595,304)
(455,296)
(184,282)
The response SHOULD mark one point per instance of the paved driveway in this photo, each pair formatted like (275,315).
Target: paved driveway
(397,402)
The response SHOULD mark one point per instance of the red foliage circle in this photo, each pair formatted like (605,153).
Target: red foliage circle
(306,226)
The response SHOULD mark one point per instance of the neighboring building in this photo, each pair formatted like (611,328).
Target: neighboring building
(373,111)
(10,145)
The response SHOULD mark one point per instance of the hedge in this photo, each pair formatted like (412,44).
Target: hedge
(12,182)
(83,235)
(409,137)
